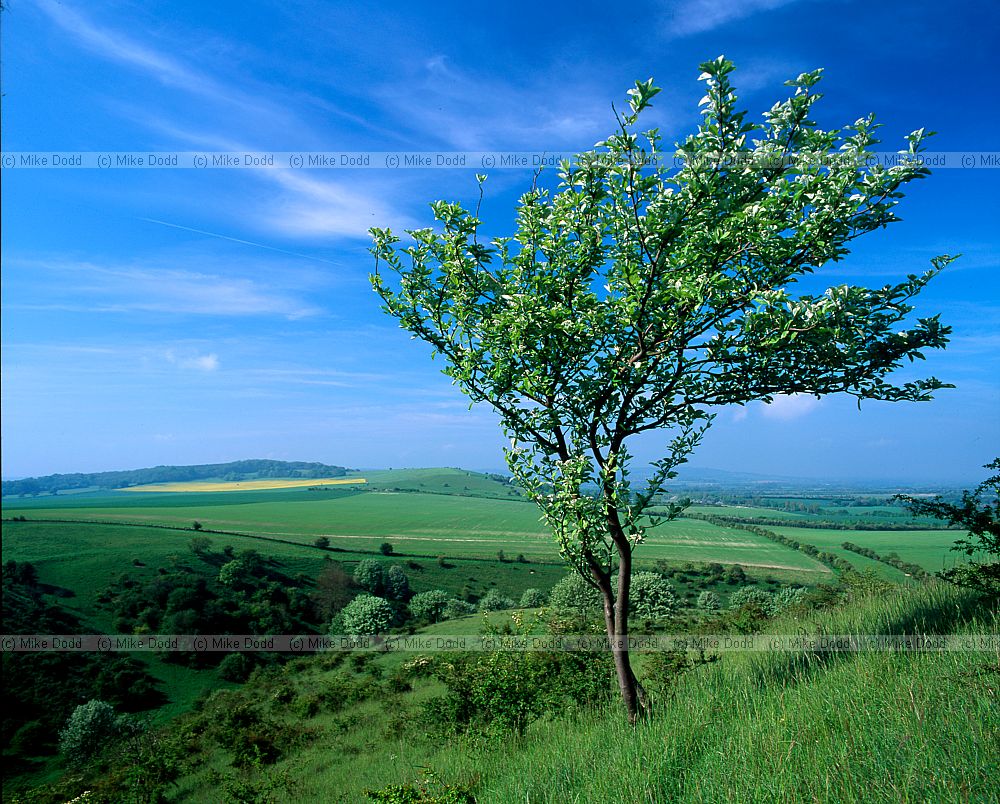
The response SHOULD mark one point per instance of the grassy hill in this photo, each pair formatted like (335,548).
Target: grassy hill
(749,726)
(469,533)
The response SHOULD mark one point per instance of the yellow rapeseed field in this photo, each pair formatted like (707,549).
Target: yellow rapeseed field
(245,485)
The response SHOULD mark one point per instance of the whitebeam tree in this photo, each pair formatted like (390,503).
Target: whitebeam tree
(641,295)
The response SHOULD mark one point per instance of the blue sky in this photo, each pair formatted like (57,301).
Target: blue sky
(185,316)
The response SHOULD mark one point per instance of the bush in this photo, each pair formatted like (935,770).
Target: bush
(429,606)
(322,543)
(532,599)
(236,667)
(385,549)
(366,615)
(90,729)
(396,584)
(709,601)
(652,596)
(787,597)
(370,575)
(455,608)
(495,601)
(504,691)
(752,596)
(574,595)
(735,575)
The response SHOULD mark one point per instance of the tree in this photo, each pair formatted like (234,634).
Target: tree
(532,599)
(90,728)
(979,514)
(200,545)
(322,542)
(645,292)
(370,575)
(397,585)
(652,596)
(709,601)
(366,615)
(386,548)
(429,606)
(574,595)
(495,601)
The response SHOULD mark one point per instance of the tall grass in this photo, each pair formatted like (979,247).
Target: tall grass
(786,727)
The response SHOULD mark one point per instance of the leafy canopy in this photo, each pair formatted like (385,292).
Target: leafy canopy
(645,291)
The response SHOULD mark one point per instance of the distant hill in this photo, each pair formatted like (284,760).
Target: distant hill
(234,471)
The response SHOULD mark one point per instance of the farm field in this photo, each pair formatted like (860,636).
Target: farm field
(202,486)
(928,548)
(418,524)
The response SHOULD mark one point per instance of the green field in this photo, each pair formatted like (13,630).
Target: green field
(442,520)
(928,548)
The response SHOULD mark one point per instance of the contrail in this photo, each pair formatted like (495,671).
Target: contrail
(237,240)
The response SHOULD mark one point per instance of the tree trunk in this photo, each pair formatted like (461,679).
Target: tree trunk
(637,704)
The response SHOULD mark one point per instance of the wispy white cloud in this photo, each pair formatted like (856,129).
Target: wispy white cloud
(449,107)
(305,206)
(785,407)
(195,362)
(102,288)
(116,45)
(698,16)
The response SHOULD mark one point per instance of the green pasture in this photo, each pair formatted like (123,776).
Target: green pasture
(928,548)
(415,524)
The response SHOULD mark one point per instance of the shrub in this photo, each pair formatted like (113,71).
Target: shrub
(385,549)
(429,606)
(504,691)
(752,596)
(787,597)
(200,545)
(370,575)
(652,596)
(735,574)
(457,608)
(366,615)
(322,543)
(709,601)
(532,599)
(574,595)
(396,584)
(495,601)
(90,728)
(236,667)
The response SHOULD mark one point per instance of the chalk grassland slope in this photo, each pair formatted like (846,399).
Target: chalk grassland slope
(428,525)
(84,558)
(850,727)
(202,486)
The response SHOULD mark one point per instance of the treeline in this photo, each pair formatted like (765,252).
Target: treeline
(233,471)
(834,562)
(892,559)
(815,524)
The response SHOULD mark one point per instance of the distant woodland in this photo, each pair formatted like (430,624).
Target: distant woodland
(235,471)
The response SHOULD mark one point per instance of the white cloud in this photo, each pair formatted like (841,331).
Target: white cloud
(699,16)
(207,363)
(90,287)
(785,407)
(306,207)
